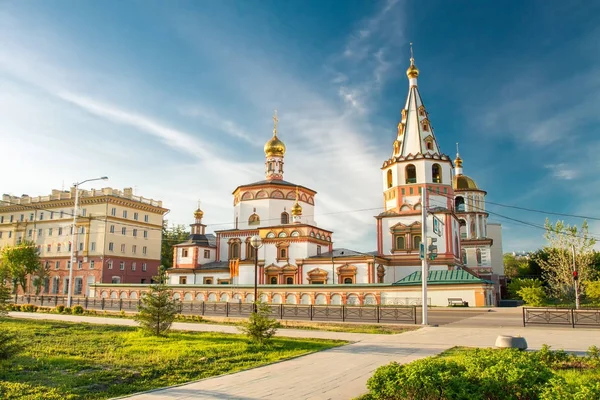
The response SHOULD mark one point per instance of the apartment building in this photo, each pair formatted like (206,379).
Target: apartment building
(118,236)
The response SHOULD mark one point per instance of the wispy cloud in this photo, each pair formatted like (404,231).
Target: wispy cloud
(562,171)
(213,119)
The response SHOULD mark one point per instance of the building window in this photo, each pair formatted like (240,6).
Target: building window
(11,218)
(49,248)
(206,253)
(124,213)
(113,212)
(0,234)
(411,174)
(78,286)
(389,178)
(416,241)
(134,249)
(429,145)
(478,255)
(463,253)
(59,231)
(135,233)
(146,218)
(254,220)
(184,252)
(285,218)
(123,231)
(144,267)
(318,250)
(348,281)
(133,266)
(459,204)
(58,247)
(116,279)
(182,280)
(2,219)
(207,280)
(51,214)
(92,264)
(123,248)
(80,246)
(49,231)
(110,265)
(62,215)
(122,265)
(111,246)
(40,231)
(79,264)
(93,246)
(83,212)
(112,229)
(145,234)
(273,280)
(289,280)
(135,216)
(30,233)
(57,265)
(144,250)
(400,243)
(234,251)
(282,253)
(436,173)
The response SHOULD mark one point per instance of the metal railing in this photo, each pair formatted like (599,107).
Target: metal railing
(561,316)
(340,313)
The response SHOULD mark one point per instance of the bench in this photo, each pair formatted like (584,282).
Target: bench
(455,301)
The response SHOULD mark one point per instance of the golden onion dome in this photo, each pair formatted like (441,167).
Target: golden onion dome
(274,147)
(412,71)
(463,182)
(198,213)
(458,162)
(296,209)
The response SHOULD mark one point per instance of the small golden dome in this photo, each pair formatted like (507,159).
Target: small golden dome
(412,71)
(463,182)
(198,213)
(296,209)
(274,147)
(458,162)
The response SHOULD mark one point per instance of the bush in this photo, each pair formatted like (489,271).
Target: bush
(477,374)
(533,296)
(67,310)
(29,308)
(60,309)
(260,327)
(517,284)
(77,310)
(4,298)
(592,290)
(559,389)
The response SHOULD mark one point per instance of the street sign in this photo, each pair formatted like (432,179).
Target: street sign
(437,226)
(432,248)
(422,251)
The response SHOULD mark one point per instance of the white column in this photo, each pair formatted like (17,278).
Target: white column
(468,226)
(478,225)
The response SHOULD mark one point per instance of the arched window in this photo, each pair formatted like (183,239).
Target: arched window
(234,251)
(389,178)
(282,253)
(464,256)
(289,280)
(478,254)
(249,251)
(473,232)
(416,241)
(400,243)
(459,204)
(273,280)
(254,220)
(348,281)
(436,173)
(411,174)
(429,145)
(285,218)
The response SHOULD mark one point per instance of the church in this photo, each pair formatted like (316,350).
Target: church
(295,258)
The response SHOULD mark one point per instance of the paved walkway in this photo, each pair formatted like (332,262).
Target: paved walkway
(341,373)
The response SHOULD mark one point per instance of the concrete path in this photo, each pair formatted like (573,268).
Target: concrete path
(341,373)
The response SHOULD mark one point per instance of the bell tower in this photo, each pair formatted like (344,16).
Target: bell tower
(274,152)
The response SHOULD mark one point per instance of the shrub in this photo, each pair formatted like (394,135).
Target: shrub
(60,309)
(260,326)
(559,389)
(592,290)
(517,284)
(77,310)
(29,308)
(67,310)
(533,296)
(4,298)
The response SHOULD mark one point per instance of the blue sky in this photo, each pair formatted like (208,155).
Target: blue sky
(175,99)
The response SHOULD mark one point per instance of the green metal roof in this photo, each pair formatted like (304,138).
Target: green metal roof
(441,278)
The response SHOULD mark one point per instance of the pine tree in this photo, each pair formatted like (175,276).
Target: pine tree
(260,327)
(157,310)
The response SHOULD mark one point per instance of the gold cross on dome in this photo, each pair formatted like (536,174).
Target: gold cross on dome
(275,121)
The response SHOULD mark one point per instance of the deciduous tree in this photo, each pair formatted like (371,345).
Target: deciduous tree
(17,262)
(569,250)
(170,237)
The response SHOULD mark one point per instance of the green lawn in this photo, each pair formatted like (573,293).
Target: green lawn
(82,361)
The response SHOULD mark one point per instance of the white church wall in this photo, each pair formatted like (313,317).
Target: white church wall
(270,210)
(185,260)
(494,232)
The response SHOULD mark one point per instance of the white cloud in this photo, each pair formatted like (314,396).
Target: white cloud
(562,171)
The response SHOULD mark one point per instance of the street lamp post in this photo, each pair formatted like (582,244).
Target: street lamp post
(256,242)
(74,235)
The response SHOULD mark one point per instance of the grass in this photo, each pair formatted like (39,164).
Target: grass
(82,361)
